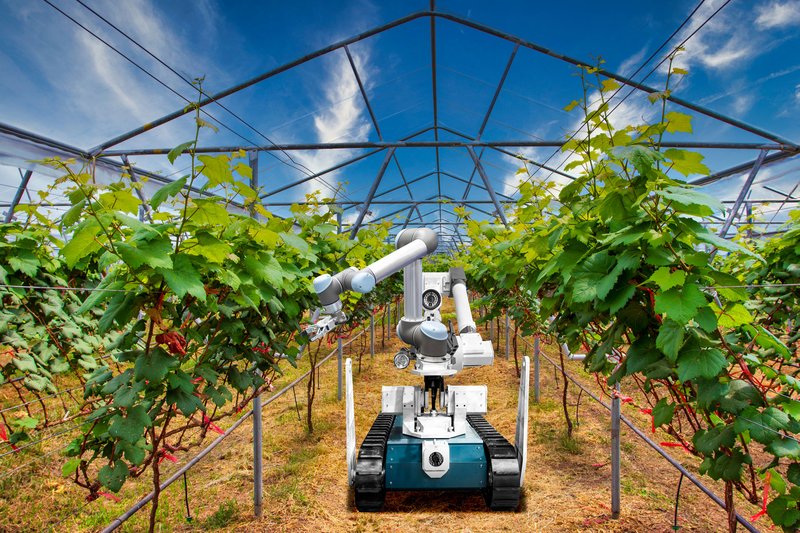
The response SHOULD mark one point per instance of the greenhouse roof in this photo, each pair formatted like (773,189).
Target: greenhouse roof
(416,107)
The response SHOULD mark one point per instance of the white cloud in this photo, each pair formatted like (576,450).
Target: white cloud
(742,103)
(629,66)
(344,118)
(70,86)
(716,45)
(778,14)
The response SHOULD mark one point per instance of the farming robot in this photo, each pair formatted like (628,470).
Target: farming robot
(432,437)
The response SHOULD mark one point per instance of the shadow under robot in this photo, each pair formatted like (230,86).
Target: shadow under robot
(432,437)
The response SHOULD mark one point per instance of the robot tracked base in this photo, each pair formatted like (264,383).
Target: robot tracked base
(481,459)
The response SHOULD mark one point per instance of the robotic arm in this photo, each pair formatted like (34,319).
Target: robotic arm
(412,246)
(435,350)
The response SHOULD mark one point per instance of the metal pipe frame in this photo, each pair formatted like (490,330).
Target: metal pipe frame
(743,193)
(488,184)
(376,182)
(437,144)
(26,178)
(433,14)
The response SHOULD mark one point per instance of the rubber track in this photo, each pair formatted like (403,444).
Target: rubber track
(502,492)
(370,477)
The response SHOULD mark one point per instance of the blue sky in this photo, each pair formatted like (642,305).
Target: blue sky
(59,81)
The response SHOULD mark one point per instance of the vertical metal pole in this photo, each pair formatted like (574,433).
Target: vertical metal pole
(491,330)
(536,369)
(389,321)
(615,453)
(339,365)
(18,195)
(258,465)
(508,336)
(743,193)
(258,456)
(372,335)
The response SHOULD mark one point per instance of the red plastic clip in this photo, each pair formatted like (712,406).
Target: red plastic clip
(675,445)
(109,496)
(212,426)
(763,510)
(168,456)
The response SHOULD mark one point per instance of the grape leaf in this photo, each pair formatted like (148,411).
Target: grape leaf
(167,191)
(113,477)
(183,278)
(680,305)
(670,339)
(666,279)
(697,362)
(130,427)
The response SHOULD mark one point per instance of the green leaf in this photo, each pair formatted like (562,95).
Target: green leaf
(670,339)
(26,422)
(155,253)
(762,425)
(711,440)
(739,395)
(183,279)
(663,412)
(290,239)
(666,279)
(131,427)
(617,299)
(641,354)
(154,367)
(685,196)
(686,162)
(785,447)
(697,362)
(793,473)
(119,310)
(680,305)
(210,248)
(734,315)
(73,214)
(133,453)
(594,278)
(265,268)
(216,169)
(678,122)
(178,150)
(187,403)
(167,191)
(98,296)
(113,477)
(70,467)
(765,339)
(706,319)
(24,261)
(724,244)
(81,244)
(120,200)
(208,213)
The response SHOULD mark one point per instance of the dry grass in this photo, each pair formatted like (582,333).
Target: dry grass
(305,477)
